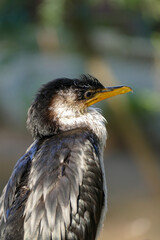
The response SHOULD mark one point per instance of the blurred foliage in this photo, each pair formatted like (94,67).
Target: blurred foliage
(51,12)
(18,13)
(148,101)
(149,8)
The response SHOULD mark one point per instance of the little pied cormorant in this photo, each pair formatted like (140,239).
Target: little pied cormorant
(57,189)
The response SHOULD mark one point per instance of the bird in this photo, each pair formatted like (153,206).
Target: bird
(57,190)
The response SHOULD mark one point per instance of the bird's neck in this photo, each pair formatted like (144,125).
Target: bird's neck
(91,119)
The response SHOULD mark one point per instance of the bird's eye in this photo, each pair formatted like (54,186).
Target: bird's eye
(88,94)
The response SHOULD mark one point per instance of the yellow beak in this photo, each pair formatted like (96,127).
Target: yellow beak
(107,92)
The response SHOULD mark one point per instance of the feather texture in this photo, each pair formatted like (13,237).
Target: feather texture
(61,192)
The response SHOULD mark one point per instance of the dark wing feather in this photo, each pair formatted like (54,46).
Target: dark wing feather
(55,191)
(12,201)
(66,189)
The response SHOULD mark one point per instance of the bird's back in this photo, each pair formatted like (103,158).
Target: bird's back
(55,191)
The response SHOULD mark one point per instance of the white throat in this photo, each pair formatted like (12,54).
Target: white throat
(91,118)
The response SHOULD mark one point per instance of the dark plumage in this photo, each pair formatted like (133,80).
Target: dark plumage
(38,121)
(57,189)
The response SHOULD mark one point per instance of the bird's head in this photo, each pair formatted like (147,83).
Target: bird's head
(66,98)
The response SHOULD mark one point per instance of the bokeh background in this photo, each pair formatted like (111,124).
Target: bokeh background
(117,41)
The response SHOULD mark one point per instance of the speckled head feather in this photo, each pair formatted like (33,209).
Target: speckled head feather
(39,123)
(79,86)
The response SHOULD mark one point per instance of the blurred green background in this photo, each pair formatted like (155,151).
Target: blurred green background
(117,41)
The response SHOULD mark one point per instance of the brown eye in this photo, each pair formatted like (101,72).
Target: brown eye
(88,94)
